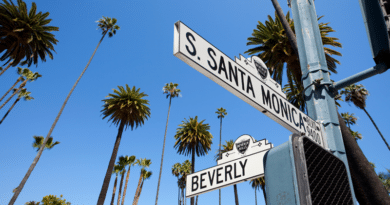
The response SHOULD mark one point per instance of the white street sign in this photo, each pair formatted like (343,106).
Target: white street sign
(248,79)
(244,162)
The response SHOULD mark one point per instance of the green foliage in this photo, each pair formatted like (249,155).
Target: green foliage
(54,200)
(385,178)
(274,48)
(181,171)
(128,106)
(221,112)
(171,90)
(349,120)
(26,35)
(356,94)
(107,24)
(193,136)
(38,140)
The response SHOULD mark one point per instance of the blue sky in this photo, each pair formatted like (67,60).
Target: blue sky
(141,55)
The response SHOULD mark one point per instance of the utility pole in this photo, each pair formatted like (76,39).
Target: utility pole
(315,76)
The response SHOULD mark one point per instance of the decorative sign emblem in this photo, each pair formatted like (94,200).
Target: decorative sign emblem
(244,162)
(261,70)
(242,146)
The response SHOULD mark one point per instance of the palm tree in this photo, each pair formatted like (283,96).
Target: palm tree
(181,171)
(357,94)
(122,163)
(185,170)
(145,175)
(259,183)
(107,25)
(25,35)
(176,172)
(225,148)
(126,108)
(22,72)
(171,90)
(221,114)
(193,137)
(275,50)
(29,77)
(38,141)
(143,163)
(117,169)
(130,162)
(22,94)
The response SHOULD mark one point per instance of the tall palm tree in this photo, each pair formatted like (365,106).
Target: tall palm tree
(193,137)
(128,161)
(122,163)
(126,108)
(185,170)
(107,25)
(23,93)
(171,90)
(117,169)
(225,148)
(357,94)
(29,77)
(145,175)
(25,35)
(22,72)
(259,183)
(38,141)
(143,163)
(274,48)
(221,114)
(176,172)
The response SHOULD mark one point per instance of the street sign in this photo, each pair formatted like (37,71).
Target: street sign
(248,79)
(244,162)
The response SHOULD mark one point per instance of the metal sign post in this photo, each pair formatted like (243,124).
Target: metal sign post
(320,105)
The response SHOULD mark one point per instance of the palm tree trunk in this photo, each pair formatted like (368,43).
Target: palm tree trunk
(127,180)
(193,170)
(178,195)
(6,68)
(265,196)
(137,190)
(290,34)
(9,110)
(103,193)
(107,178)
(114,190)
(17,81)
(220,142)
(235,194)
(13,94)
(384,140)
(139,193)
(120,187)
(255,197)
(162,155)
(368,188)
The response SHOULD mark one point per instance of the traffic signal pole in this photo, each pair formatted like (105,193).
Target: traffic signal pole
(316,81)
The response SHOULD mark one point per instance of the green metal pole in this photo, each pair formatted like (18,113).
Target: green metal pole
(320,103)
